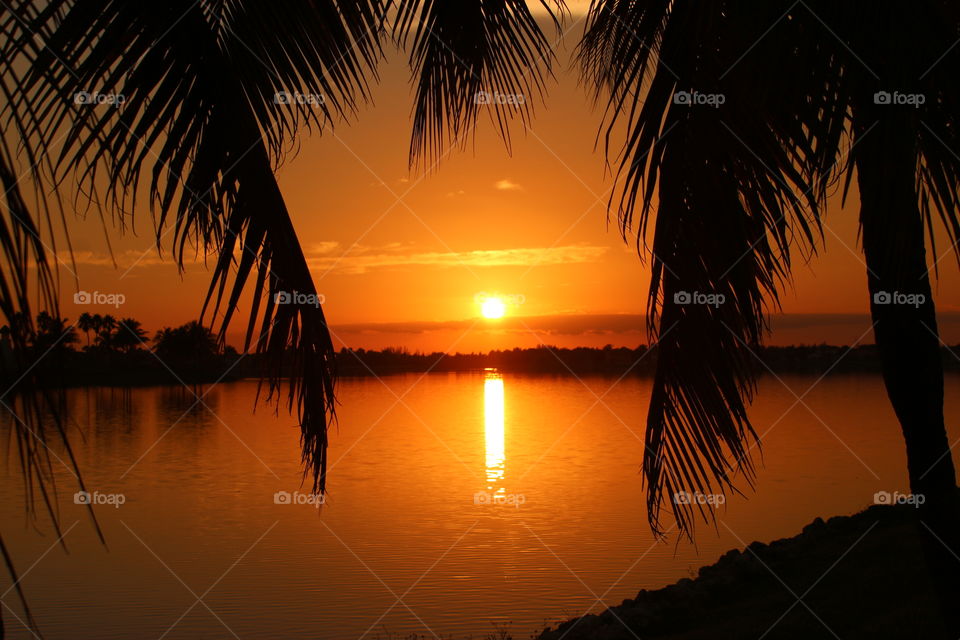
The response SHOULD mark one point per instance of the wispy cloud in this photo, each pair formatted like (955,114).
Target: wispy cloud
(362,259)
(332,256)
(121,260)
(507,185)
(323,247)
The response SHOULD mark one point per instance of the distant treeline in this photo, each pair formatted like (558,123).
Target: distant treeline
(814,359)
(102,350)
(108,351)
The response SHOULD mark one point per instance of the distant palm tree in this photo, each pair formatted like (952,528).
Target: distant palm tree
(85,323)
(106,332)
(738,116)
(96,324)
(129,335)
(191,340)
(52,334)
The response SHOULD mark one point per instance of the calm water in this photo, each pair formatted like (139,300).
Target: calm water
(457,502)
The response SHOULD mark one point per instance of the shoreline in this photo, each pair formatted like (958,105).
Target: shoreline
(844,577)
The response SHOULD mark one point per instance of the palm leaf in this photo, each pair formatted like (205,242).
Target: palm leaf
(28,285)
(202,129)
(730,188)
(471,55)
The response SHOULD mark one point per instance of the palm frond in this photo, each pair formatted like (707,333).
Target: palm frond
(203,102)
(29,286)
(732,176)
(472,55)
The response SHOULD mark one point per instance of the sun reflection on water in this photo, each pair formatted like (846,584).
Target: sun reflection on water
(494,434)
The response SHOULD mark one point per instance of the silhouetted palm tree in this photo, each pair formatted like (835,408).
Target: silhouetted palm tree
(191,340)
(734,186)
(204,98)
(129,335)
(85,323)
(52,335)
(106,331)
(737,117)
(198,101)
(96,324)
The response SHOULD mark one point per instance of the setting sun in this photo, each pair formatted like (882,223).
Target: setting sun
(493,308)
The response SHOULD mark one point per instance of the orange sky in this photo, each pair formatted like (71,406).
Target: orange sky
(413,249)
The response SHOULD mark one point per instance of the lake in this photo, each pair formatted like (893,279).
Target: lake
(457,504)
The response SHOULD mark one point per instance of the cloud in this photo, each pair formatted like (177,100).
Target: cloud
(324,247)
(329,256)
(363,259)
(124,260)
(507,185)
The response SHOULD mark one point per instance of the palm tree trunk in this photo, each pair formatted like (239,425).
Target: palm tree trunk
(905,330)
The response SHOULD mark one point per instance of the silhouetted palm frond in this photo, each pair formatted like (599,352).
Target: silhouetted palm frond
(917,59)
(738,182)
(468,56)
(197,102)
(734,177)
(33,411)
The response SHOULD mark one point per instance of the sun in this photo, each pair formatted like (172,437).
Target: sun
(493,308)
